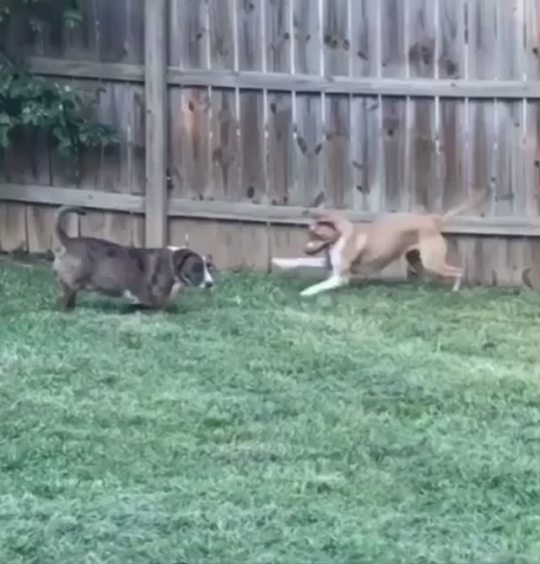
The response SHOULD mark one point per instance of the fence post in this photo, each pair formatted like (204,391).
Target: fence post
(155,76)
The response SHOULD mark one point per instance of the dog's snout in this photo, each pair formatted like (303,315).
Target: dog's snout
(209,284)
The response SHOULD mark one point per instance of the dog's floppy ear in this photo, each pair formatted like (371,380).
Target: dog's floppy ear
(180,256)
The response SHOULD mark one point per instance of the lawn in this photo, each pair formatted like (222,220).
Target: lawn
(380,424)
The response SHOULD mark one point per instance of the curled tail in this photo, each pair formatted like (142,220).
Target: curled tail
(63,237)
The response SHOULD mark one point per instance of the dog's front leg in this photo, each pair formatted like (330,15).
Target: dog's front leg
(335,281)
(302,262)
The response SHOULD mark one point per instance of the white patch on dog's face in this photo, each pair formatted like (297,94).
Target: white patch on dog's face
(208,280)
(129,296)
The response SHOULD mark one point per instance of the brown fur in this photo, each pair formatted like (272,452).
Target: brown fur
(362,248)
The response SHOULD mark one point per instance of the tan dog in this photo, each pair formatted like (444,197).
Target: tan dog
(360,249)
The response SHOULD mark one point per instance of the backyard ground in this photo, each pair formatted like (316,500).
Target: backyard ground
(380,424)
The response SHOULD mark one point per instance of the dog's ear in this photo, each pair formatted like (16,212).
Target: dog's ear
(180,257)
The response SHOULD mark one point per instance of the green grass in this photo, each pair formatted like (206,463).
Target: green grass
(379,424)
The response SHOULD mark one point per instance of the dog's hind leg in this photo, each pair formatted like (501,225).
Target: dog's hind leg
(433,257)
(335,281)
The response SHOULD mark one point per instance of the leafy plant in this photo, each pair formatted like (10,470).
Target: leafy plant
(28,101)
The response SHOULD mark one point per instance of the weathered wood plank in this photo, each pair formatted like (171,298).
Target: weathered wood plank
(421,38)
(336,38)
(156,123)
(454,173)
(225,147)
(424,185)
(337,150)
(307,37)
(280,148)
(13,227)
(195,142)
(247,212)
(222,34)
(483,136)
(253,180)
(365,46)
(451,25)
(394,58)
(309,155)
(394,145)
(278,35)
(532,115)
(482,33)
(478,89)
(93,199)
(188,34)
(250,47)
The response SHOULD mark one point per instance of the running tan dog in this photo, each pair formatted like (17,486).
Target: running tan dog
(361,249)
(151,278)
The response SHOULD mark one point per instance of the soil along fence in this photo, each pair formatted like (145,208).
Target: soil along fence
(234,115)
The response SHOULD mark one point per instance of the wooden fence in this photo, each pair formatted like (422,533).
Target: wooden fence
(234,115)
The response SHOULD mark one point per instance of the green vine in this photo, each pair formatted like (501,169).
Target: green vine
(28,101)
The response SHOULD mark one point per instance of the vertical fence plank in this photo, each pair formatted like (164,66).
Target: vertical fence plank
(338,179)
(365,119)
(224,150)
(223,102)
(532,127)
(336,37)
(250,42)
(422,166)
(253,146)
(306,27)
(278,35)
(188,34)
(252,126)
(156,101)
(510,188)
(308,148)
(393,38)
(280,105)
(309,137)
(222,34)
(482,18)
(394,143)
(454,168)
(364,37)
(280,148)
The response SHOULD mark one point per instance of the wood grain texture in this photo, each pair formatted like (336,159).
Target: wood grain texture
(253,146)
(280,148)
(337,43)
(393,54)
(250,47)
(188,34)
(225,157)
(394,133)
(337,149)
(307,37)
(365,45)
(309,155)
(222,34)
(278,35)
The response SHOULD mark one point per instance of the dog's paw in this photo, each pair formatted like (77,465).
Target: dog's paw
(308,292)
(281,263)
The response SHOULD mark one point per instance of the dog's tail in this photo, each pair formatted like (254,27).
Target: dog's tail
(472,203)
(63,237)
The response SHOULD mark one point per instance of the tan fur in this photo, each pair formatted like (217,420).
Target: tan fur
(365,248)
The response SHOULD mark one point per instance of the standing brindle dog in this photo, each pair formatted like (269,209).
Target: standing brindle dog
(150,278)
